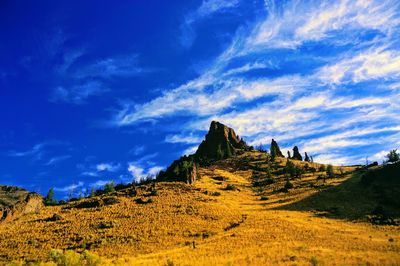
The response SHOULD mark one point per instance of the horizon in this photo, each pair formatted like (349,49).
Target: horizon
(93,93)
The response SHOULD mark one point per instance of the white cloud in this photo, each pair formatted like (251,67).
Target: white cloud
(110,167)
(55,160)
(70,188)
(284,27)
(375,63)
(138,172)
(188,138)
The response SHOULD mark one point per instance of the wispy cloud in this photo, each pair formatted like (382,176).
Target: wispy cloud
(341,89)
(206,9)
(77,94)
(110,167)
(70,188)
(57,159)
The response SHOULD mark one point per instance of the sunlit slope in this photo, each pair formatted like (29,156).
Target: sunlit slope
(223,220)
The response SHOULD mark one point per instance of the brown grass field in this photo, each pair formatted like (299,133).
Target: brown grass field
(316,223)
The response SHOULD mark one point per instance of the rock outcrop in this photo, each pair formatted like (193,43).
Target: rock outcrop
(221,142)
(275,150)
(15,202)
(306,158)
(183,170)
(296,154)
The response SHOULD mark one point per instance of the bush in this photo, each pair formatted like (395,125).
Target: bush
(322,168)
(230,187)
(288,185)
(330,172)
(72,258)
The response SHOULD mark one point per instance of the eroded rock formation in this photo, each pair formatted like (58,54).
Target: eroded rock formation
(296,154)
(275,150)
(16,201)
(221,142)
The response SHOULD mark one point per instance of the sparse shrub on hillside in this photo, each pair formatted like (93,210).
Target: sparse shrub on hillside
(154,192)
(322,168)
(288,185)
(230,187)
(393,156)
(72,258)
(330,172)
(312,170)
(314,261)
(143,201)
(110,200)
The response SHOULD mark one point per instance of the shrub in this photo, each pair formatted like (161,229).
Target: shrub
(288,185)
(322,168)
(72,258)
(314,261)
(329,171)
(230,187)
(110,200)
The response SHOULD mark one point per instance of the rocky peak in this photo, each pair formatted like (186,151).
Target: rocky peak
(296,154)
(275,150)
(16,201)
(221,142)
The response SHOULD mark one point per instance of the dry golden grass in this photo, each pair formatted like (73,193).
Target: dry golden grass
(208,225)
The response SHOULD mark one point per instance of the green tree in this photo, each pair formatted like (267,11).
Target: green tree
(49,199)
(393,156)
(109,187)
(329,171)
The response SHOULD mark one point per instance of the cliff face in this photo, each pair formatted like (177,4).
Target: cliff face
(221,142)
(15,202)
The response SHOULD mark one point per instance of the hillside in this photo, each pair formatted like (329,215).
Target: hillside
(238,211)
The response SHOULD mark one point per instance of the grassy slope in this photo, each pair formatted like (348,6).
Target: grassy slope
(235,228)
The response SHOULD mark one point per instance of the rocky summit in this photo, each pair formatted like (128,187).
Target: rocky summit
(16,201)
(221,142)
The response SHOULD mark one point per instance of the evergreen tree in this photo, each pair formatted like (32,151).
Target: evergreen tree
(393,156)
(49,199)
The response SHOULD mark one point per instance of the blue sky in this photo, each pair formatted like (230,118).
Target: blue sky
(96,91)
